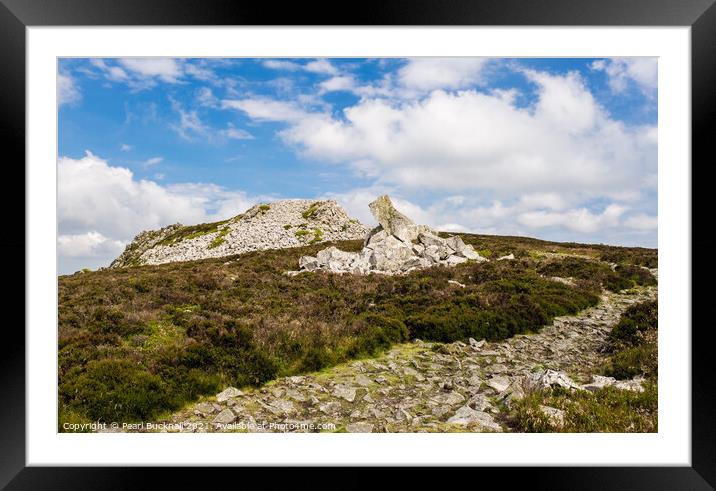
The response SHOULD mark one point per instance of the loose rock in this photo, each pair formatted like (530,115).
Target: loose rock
(225,417)
(359,428)
(228,393)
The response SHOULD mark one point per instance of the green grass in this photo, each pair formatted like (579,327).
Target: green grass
(310,212)
(607,410)
(634,343)
(219,239)
(191,232)
(137,342)
(317,236)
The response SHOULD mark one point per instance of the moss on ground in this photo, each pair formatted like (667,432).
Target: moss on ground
(310,212)
(219,239)
(191,232)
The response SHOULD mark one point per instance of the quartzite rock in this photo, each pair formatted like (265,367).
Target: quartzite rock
(276,225)
(392,221)
(395,246)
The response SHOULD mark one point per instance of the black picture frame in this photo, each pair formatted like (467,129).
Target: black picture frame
(16,15)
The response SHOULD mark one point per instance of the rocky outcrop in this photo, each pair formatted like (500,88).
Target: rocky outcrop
(275,225)
(395,246)
(392,222)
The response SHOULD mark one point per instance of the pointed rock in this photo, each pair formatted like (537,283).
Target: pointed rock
(392,221)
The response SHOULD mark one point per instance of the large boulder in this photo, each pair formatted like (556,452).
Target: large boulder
(390,254)
(468,252)
(392,221)
(336,260)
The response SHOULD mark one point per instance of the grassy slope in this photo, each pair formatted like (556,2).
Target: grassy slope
(135,342)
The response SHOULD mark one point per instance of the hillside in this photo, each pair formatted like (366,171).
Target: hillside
(550,381)
(276,225)
(137,343)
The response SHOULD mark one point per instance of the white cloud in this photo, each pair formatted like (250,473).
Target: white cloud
(282,65)
(338,83)
(551,201)
(501,167)
(643,72)
(452,227)
(189,125)
(88,245)
(112,72)
(153,161)
(468,140)
(578,220)
(94,196)
(642,221)
(564,103)
(236,134)
(145,73)
(416,77)
(264,109)
(321,66)
(206,97)
(125,147)
(67,90)
(523,217)
(101,206)
(200,72)
(441,73)
(166,69)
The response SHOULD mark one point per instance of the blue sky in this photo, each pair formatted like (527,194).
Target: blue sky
(561,149)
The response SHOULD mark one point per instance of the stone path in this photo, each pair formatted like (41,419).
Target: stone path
(419,386)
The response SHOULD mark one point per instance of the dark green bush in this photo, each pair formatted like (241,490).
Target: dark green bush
(634,342)
(630,362)
(635,322)
(574,267)
(635,274)
(636,256)
(623,277)
(230,350)
(515,306)
(112,320)
(377,332)
(315,359)
(114,390)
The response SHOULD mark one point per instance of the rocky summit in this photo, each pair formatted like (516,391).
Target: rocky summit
(275,225)
(396,246)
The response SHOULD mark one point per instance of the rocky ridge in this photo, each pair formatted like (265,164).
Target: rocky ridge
(426,387)
(275,225)
(396,246)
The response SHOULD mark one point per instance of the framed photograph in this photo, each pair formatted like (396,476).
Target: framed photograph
(429,236)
